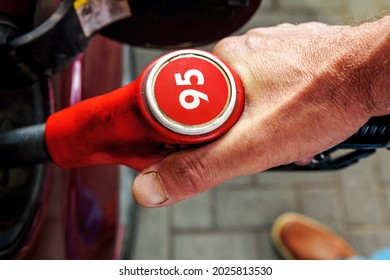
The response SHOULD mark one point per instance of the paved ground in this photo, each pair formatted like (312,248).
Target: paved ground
(233,221)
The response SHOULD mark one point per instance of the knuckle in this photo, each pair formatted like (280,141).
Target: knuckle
(190,173)
(255,32)
(286,25)
(224,45)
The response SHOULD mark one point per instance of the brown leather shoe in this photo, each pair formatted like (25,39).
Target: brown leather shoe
(298,237)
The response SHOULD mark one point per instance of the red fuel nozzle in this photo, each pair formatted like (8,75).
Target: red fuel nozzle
(183,98)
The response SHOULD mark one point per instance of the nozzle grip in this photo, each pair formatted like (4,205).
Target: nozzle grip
(136,125)
(108,129)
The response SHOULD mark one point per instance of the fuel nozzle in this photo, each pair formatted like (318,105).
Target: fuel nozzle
(184,98)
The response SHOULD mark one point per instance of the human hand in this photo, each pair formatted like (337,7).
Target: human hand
(308,87)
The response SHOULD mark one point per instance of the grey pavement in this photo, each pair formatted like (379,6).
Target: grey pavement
(233,221)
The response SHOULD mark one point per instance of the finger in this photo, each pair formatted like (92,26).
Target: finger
(304,161)
(314,25)
(286,25)
(183,175)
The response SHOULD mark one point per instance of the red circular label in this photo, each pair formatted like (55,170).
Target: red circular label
(191,90)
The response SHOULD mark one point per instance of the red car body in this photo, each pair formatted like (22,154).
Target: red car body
(52,213)
(78,217)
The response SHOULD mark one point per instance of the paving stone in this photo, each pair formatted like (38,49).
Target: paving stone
(152,236)
(267,4)
(252,208)
(271,18)
(295,177)
(235,245)
(315,4)
(361,175)
(322,205)
(333,17)
(384,165)
(241,182)
(366,242)
(267,251)
(194,213)
(386,206)
(360,194)
(363,208)
(362,10)
(144,57)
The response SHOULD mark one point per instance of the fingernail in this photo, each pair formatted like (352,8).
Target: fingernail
(149,190)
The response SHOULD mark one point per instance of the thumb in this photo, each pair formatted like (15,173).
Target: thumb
(180,176)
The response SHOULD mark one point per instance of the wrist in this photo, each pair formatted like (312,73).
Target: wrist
(371,71)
